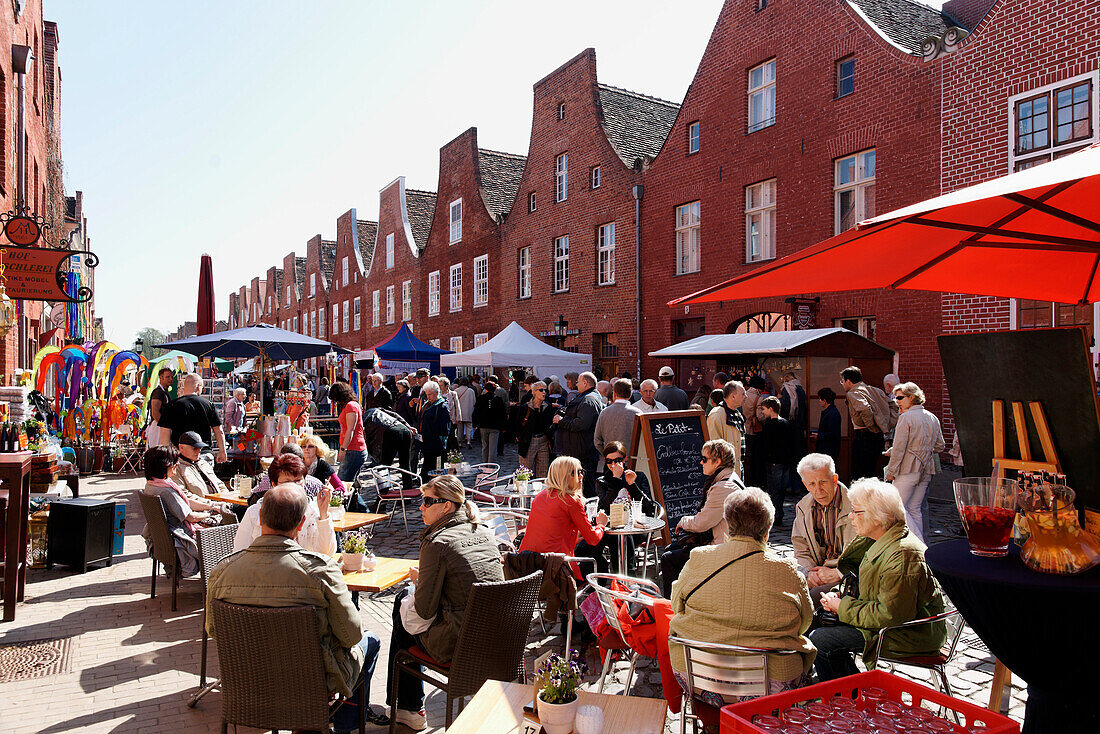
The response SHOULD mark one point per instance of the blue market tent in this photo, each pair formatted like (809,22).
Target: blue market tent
(402,350)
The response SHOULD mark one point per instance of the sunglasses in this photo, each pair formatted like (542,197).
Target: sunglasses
(899,398)
(707,460)
(429,501)
(619,460)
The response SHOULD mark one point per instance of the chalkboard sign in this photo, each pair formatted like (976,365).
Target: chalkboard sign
(666,447)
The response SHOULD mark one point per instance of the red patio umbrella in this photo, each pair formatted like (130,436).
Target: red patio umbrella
(1033,234)
(205,318)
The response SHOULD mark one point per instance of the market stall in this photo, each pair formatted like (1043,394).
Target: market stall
(514,346)
(403,352)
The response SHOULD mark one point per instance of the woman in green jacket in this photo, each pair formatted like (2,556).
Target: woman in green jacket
(895,586)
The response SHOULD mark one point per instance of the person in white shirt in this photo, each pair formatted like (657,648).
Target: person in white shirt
(648,403)
(317,534)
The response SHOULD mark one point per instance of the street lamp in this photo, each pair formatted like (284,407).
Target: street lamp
(139,345)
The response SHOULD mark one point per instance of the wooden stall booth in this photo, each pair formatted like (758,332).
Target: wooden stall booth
(815,356)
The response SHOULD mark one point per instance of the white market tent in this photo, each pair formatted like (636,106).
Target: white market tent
(763,342)
(517,347)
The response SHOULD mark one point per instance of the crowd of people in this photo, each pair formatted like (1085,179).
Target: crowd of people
(857,565)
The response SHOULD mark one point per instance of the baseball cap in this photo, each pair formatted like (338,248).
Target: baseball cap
(666,371)
(190,438)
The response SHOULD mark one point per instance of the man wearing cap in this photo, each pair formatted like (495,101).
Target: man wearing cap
(197,476)
(668,394)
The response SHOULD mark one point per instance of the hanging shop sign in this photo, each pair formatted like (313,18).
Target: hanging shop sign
(41,273)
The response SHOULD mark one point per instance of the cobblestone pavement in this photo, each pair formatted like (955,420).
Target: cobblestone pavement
(134,663)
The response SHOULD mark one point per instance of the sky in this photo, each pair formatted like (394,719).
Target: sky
(242,128)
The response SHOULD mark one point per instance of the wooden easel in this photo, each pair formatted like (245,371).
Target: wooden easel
(1001,674)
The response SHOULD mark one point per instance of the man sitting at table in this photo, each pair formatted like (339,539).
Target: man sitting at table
(317,534)
(274,571)
(196,475)
(821,524)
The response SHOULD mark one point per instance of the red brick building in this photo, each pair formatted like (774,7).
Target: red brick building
(1019,90)
(277,303)
(786,136)
(389,287)
(458,283)
(354,247)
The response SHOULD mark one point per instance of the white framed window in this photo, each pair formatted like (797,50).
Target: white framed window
(1052,121)
(524,257)
(434,343)
(346,269)
(375,308)
(865,326)
(456,287)
(287,301)
(407,300)
(594,177)
(532,204)
(345,321)
(687,238)
(561,177)
(270,300)
(605,254)
(312,284)
(356,324)
(336,318)
(294,328)
(389,251)
(854,189)
(433,293)
(481,281)
(561,264)
(693,137)
(456,344)
(322,316)
(561,110)
(480,339)
(390,314)
(456,221)
(760,221)
(313,323)
(762,96)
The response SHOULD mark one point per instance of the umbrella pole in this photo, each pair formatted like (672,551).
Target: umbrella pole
(260,372)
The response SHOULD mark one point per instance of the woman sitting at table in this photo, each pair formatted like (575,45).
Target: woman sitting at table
(741,592)
(252,407)
(895,586)
(456,552)
(617,483)
(185,513)
(312,485)
(317,534)
(313,454)
(708,525)
(557,515)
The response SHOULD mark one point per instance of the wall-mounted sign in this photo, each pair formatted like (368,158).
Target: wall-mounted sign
(22,230)
(38,273)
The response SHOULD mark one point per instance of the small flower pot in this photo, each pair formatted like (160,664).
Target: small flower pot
(453,468)
(352,561)
(557,718)
(336,513)
(521,485)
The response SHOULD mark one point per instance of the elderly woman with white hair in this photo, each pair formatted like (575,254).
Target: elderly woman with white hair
(917,439)
(742,592)
(895,586)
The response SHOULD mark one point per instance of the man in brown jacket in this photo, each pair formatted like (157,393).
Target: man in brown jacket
(869,409)
(277,572)
(822,527)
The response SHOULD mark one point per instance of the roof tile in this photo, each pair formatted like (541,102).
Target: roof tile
(635,124)
(367,232)
(420,206)
(903,22)
(500,177)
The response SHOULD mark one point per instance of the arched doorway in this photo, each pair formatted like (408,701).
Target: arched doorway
(758,322)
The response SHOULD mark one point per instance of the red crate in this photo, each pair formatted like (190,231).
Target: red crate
(736,717)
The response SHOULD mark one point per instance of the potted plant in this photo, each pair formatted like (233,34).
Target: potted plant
(557,683)
(454,460)
(336,507)
(354,548)
(521,478)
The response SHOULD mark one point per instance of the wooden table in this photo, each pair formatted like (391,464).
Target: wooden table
(15,475)
(498,707)
(231,497)
(356,520)
(389,572)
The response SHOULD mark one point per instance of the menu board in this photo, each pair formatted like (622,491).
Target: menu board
(214,390)
(666,447)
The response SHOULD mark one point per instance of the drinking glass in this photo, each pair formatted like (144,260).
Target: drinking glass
(988,509)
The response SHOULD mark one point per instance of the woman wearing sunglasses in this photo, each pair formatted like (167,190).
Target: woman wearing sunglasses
(557,516)
(533,425)
(456,552)
(615,483)
(917,439)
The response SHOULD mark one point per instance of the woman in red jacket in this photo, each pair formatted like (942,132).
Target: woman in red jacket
(557,513)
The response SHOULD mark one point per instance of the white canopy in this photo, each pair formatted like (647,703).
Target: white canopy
(517,347)
(762,342)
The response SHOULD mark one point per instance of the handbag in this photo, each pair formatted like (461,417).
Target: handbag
(849,586)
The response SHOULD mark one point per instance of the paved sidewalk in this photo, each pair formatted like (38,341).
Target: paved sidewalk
(133,663)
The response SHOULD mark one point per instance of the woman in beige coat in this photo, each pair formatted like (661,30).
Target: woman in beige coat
(917,439)
(743,593)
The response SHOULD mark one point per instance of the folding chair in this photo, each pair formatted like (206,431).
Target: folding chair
(640,591)
(388,482)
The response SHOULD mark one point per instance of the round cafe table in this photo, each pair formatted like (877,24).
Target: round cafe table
(646,526)
(509,491)
(1042,626)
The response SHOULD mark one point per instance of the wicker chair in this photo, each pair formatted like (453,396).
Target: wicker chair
(164,548)
(259,688)
(490,644)
(214,544)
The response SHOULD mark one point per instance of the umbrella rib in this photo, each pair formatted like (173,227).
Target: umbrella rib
(1092,277)
(928,265)
(1055,212)
(1030,236)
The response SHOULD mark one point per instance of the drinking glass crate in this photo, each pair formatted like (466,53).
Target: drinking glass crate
(864,692)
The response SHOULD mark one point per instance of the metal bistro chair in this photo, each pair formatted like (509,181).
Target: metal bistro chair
(388,482)
(650,546)
(273,671)
(506,525)
(214,544)
(490,644)
(724,670)
(937,663)
(642,591)
(164,548)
